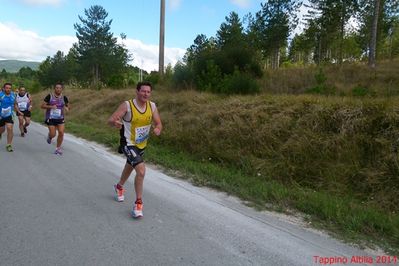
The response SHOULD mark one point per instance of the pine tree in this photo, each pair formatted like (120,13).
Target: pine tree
(98,51)
(272,26)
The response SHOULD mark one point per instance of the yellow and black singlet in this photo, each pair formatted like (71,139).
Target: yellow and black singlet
(137,130)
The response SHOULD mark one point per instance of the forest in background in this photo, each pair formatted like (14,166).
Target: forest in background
(243,52)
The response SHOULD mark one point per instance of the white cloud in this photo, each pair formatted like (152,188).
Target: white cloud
(42,2)
(19,44)
(146,56)
(27,45)
(241,3)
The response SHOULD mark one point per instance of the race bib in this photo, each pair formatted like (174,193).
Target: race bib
(23,106)
(55,113)
(5,112)
(142,133)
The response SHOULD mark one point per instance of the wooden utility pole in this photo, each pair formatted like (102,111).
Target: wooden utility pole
(162,39)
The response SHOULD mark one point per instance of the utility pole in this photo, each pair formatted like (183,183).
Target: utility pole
(162,39)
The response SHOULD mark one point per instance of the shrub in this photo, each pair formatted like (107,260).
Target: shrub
(153,77)
(182,76)
(362,91)
(210,78)
(239,83)
(116,81)
(322,89)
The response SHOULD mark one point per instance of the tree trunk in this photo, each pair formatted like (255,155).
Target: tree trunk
(96,78)
(373,39)
(342,33)
(319,51)
(276,58)
(97,74)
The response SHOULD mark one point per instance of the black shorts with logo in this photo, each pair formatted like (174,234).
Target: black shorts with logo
(25,113)
(6,120)
(54,122)
(133,154)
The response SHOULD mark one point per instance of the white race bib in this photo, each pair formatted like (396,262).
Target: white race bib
(142,133)
(55,113)
(23,106)
(5,112)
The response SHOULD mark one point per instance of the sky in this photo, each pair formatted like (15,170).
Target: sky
(34,29)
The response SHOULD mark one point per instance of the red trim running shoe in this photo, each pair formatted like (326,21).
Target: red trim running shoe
(137,211)
(119,193)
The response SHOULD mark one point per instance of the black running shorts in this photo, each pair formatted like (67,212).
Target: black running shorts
(6,120)
(133,154)
(25,113)
(54,122)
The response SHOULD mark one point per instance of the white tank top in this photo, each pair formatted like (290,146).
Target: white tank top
(23,102)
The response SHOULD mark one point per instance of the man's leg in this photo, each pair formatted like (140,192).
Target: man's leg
(139,180)
(51,132)
(2,129)
(127,170)
(137,211)
(27,123)
(21,124)
(60,138)
(10,134)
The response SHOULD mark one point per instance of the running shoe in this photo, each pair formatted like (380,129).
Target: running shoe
(119,193)
(58,151)
(137,209)
(22,134)
(48,139)
(9,148)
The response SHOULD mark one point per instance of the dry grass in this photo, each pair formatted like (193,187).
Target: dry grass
(383,81)
(338,145)
(341,145)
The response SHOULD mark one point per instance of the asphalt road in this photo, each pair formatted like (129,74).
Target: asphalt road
(60,210)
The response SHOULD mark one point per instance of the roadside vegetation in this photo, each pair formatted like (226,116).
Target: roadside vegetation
(333,158)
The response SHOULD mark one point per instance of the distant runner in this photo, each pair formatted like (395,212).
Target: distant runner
(7,106)
(56,105)
(24,107)
(136,116)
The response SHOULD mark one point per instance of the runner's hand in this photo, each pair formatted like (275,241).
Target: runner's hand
(157,131)
(118,124)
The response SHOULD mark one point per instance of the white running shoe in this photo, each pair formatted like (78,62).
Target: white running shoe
(119,194)
(137,211)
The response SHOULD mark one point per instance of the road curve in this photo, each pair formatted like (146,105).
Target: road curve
(60,210)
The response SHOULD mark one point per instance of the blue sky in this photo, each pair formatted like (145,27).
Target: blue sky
(34,29)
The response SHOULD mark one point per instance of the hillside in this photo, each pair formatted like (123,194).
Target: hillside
(13,66)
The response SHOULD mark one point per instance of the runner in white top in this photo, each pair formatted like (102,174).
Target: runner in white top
(24,107)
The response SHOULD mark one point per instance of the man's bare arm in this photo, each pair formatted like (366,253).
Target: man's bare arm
(157,122)
(116,117)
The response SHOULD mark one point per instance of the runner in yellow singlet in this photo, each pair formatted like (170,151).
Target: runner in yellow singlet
(137,116)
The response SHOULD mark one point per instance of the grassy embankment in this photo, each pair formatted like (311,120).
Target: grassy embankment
(335,159)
